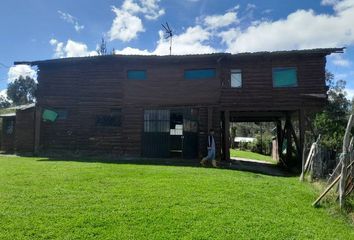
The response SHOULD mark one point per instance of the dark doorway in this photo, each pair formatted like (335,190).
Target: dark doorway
(156,135)
(170,133)
(176,134)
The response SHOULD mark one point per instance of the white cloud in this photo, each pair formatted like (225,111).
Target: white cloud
(267,11)
(53,41)
(350,93)
(72,20)
(300,30)
(193,40)
(75,49)
(149,8)
(339,60)
(341,76)
(3,93)
(70,49)
(133,51)
(229,36)
(329,2)
(125,26)
(250,6)
(219,21)
(21,70)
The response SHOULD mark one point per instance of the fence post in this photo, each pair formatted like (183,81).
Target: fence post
(346,155)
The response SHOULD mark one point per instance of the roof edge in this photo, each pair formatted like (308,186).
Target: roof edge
(320,51)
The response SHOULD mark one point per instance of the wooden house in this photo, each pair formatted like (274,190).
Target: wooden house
(163,106)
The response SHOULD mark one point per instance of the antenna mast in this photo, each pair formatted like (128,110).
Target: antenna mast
(168,35)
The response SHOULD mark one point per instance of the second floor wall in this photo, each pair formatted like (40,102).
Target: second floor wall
(229,81)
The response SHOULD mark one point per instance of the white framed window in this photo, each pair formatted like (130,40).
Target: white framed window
(236,78)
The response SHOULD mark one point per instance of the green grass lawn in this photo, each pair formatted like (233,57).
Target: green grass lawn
(41,199)
(251,155)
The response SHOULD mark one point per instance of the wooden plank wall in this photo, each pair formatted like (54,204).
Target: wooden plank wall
(7,140)
(87,88)
(24,133)
(165,84)
(257,92)
(59,89)
(133,118)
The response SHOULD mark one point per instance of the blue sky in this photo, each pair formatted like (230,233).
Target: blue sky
(40,29)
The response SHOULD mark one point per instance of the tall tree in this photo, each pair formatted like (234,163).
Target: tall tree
(22,91)
(332,121)
(4,102)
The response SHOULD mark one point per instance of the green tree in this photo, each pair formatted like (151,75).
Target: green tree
(22,91)
(4,103)
(331,123)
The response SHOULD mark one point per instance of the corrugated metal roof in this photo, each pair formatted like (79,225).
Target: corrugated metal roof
(318,51)
(8,115)
(23,107)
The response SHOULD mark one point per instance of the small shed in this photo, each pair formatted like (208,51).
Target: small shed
(8,121)
(238,140)
(17,127)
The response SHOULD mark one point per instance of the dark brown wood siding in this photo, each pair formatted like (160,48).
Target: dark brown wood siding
(257,91)
(88,88)
(24,133)
(7,139)
(85,92)
(165,84)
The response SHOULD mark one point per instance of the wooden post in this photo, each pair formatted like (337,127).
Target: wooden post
(302,140)
(345,161)
(37,129)
(335,180)
(227,135)
(296,140)
(325,192)
(222,146)
(288,138)
(279,140)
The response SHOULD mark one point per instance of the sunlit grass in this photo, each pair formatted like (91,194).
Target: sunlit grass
(48,199)
(251,155)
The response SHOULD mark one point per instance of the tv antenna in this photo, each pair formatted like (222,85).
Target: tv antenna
(168,35)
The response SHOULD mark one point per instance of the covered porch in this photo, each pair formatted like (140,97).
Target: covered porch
(289,133)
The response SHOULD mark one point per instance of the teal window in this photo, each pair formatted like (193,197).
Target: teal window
(285,77)
(137,74)
(49,115)
(195,74)
(236,78)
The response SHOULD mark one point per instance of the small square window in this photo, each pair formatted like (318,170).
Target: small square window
(136,74)
(236,78)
